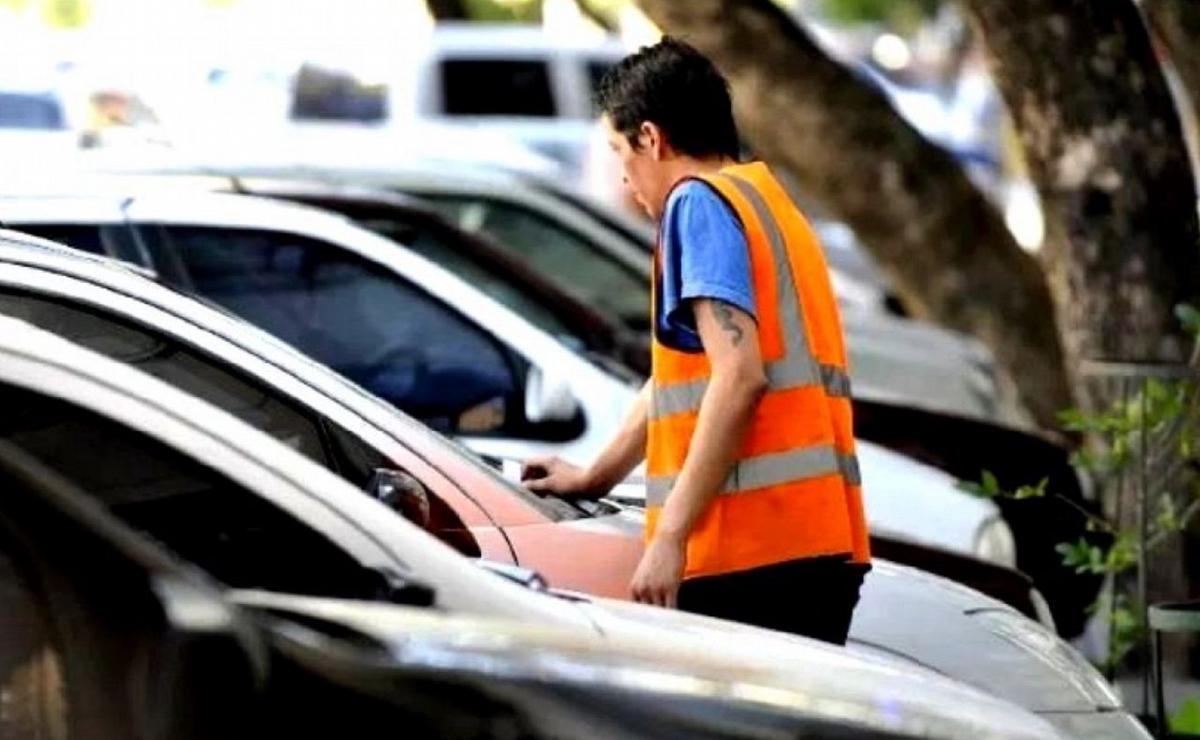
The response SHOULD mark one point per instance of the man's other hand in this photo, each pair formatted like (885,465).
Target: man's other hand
(658,576)
(556,476)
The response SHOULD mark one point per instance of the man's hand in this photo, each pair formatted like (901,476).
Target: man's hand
(658,576)
(558,477)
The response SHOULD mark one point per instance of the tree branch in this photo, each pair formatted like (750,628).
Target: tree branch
(945,248)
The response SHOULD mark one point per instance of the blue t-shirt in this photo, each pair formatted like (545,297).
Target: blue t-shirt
(704,255)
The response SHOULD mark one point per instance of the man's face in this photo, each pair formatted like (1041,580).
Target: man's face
(642,166)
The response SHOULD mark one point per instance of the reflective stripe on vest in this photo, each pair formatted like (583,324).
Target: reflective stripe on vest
(797,368)
(685,397)
(753,473)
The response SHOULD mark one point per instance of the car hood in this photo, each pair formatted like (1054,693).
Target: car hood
(979,640)
(637,652)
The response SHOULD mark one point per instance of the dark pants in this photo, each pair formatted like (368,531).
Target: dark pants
(814,597)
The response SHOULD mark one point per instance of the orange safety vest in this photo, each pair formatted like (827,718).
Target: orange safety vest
(795,490)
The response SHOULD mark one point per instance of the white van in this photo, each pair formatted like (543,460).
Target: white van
(517,80)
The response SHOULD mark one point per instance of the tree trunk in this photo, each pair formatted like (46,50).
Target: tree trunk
(1105,148)
(597,16)
(946,249)
(1106,151)
(1176,24)
(448,10)
(1176,27)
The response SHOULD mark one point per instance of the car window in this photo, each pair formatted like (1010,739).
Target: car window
(30,111)
(77,236)
(115,241)
(175,364)
(359,319)
(236,536)
(556,253)
(497,87)
(456,258)
(327,95)
(596,69)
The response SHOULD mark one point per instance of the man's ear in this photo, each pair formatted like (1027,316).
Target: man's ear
(651,136)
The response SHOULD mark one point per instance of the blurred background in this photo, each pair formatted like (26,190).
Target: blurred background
(1007,202)
(192,74)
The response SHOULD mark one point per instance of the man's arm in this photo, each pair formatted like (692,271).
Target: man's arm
(613,465)
(737,383)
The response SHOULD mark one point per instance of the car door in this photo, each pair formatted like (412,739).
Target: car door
(448,514)
(237,536)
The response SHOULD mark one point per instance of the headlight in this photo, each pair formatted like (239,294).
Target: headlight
(994,542)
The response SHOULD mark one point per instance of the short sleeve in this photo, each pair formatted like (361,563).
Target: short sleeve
(704,255)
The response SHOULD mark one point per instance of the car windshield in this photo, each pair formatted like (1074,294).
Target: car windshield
(639,235)
(31,111)
(497,286)
(555,251)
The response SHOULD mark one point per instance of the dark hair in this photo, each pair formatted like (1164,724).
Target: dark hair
(676,87)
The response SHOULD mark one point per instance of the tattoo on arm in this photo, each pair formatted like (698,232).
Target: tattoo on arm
(724,316)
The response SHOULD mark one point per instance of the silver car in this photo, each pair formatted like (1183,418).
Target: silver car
(602,257)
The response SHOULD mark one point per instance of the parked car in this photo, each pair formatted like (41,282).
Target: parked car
(262,519)
(603,259)
(518,81)
(37,125)
(259,517)
(475,257)
(300,145)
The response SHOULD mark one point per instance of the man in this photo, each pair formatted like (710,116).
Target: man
(754,510)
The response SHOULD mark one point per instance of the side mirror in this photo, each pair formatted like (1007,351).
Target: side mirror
(402,493)
(395,589)
(548,396)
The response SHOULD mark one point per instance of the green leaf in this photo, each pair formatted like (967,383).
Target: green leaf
(1167,518)
(1082,556)
(1126,632)
(1187,720)
(1037,491)
(988,487)
(1189,316)
(1076,420)
(990,484)
(1100,463)
(1122,556)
